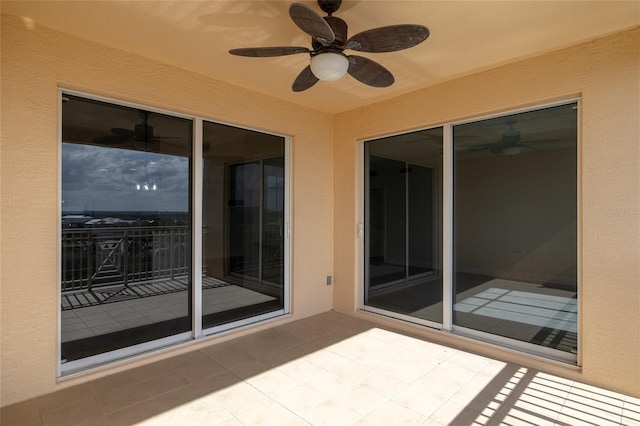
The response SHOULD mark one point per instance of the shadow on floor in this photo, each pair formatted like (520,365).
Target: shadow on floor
(329,369)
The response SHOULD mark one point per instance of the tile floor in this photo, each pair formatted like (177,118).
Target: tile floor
(330,369)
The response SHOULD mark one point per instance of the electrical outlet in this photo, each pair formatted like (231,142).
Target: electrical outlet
(329,280)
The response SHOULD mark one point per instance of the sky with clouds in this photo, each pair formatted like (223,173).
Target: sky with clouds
(106,179)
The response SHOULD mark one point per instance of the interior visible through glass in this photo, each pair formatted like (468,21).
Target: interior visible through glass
(515,226)
(126,227)
(243,224)
(403,219)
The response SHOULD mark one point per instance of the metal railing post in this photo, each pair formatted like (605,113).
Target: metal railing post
(125,258)
(90,262)
(171,252)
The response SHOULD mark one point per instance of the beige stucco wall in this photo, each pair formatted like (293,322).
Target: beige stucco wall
(605,74)
(35,62)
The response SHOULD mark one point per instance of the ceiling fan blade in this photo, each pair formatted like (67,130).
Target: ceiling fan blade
(369,72)
(304,80)
(388,39)
(264,52)
(311,23)
(478,147)
(532,148)
(111,140)
(123,133)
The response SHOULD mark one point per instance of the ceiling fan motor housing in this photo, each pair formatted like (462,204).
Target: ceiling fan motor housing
(143,132)
(329,6)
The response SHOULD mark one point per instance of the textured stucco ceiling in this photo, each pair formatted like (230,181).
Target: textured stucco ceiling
(466,37)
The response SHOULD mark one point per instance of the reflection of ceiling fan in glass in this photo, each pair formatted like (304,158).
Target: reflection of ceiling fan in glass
(509,144)
(141,136)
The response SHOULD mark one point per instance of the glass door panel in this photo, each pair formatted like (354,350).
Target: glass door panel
(403,224)
(273,222)
(387,212)
(126,227)
(243,224)
(244,219)
(515,227)
(421,228)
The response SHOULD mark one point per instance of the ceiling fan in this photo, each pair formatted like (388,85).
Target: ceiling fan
(509,144)
(329,41)
(141,136)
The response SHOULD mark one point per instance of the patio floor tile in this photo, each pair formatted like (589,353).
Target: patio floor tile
(330,369)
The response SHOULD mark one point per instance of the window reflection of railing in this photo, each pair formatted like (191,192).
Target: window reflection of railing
(100,257)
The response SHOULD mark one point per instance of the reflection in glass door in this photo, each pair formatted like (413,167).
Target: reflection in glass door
(510,240)
(273,222)
(127,252)
(243,224)
(256,220)
(126,230)
(387,222)
(402,219)
(515,222)
(244,219)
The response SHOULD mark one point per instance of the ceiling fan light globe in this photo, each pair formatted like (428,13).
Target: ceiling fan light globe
(329,66)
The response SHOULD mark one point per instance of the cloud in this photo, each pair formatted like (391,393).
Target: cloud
(105,179)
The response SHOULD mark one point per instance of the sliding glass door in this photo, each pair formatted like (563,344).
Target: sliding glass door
(136,203)
(500,211)
(243,224)
(126,227)
(515,222)
(403,224)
